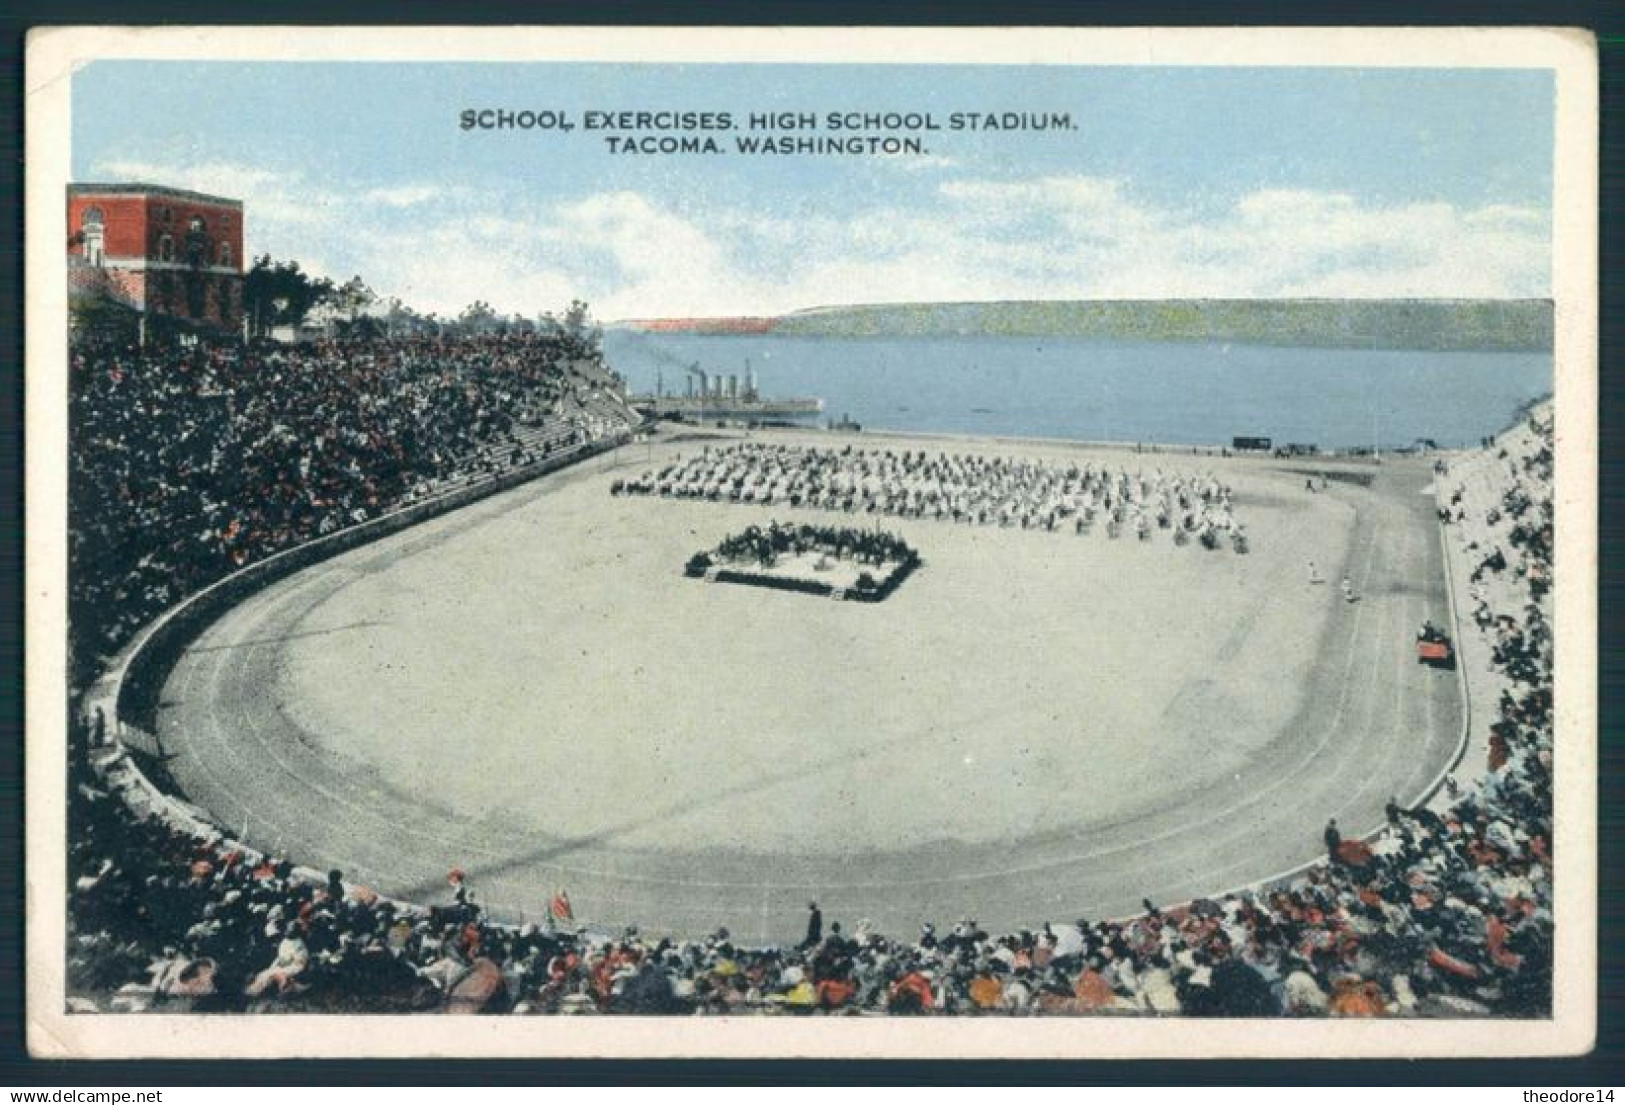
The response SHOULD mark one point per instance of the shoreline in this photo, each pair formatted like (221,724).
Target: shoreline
(696,431)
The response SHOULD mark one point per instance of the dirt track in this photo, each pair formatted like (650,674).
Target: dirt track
(1035,727)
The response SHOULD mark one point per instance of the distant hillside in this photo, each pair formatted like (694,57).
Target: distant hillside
(1433,324)
(748,324)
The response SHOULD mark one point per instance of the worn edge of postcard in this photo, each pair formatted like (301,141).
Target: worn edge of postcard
(52,56)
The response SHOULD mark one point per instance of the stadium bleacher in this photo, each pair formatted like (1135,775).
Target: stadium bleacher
(1447,912)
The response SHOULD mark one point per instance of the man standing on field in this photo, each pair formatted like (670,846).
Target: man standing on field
(815,926)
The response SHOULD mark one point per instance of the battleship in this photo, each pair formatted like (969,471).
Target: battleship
(722,396)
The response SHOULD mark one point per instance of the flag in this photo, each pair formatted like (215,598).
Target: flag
(561,907)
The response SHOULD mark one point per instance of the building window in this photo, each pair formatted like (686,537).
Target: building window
(166,215)
(166,248)
(225,222)
(225,254)
(93,227)
(197,243)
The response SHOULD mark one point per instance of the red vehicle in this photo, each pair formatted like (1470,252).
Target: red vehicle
(1434,649)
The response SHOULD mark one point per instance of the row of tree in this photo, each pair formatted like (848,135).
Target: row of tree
(279,294)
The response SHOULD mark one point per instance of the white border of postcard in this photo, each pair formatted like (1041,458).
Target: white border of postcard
(52,56)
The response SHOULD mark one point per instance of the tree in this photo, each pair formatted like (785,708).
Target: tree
(98,311)
(578,324)
(353,297)
(477,318)
(365,328)
(280,294)
(581,340)
(401,320)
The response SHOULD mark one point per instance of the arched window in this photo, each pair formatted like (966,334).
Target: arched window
(93,226)
(197,243)
(166,247)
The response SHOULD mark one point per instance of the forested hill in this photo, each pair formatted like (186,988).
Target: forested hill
(1429,324)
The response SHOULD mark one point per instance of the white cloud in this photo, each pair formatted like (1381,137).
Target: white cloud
(408,195)
(918,163)
(450,264)
(1053,237)
(274,197)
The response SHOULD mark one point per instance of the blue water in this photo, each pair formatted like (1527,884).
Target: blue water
(1163,392)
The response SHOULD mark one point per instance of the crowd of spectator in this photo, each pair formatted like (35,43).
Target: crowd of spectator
(764,545)
(188,462)
(1446,912)
(968,489)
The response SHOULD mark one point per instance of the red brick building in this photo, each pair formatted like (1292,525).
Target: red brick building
(167,253)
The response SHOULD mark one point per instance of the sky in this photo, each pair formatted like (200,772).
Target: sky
(1171,182)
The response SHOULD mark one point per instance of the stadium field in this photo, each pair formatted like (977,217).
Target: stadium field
(1035,727)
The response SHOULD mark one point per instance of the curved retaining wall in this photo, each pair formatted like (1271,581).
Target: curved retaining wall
(128,691)
(1427,793)
(131,685)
